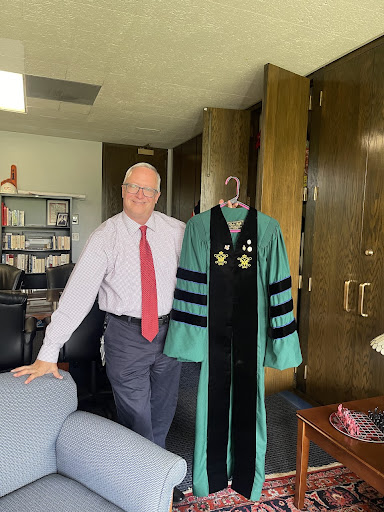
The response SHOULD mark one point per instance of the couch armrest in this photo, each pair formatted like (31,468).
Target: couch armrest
(117,463)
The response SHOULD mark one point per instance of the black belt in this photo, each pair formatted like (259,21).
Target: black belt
(133,320)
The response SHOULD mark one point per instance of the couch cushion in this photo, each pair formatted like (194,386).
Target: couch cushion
(55,493)
(31,417)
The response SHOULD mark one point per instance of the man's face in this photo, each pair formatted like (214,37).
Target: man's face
(137,206)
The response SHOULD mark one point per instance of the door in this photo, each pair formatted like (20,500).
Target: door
(225,153)
(117,159)
(368,373)
(341,163)
(281,171)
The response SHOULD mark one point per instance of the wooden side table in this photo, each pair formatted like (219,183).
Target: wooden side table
(364,459)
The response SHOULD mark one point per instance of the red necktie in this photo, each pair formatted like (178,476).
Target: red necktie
(149,316)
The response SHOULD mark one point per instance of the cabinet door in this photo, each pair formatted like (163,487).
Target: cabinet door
(225,153)
(368,364)
(342,150)
(281,171)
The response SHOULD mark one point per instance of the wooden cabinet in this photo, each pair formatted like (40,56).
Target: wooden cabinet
(31,239)
(346,233)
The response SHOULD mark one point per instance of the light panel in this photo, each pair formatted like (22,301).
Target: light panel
(12,92)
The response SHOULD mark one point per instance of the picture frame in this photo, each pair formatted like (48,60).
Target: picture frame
(53,208)
(62,220)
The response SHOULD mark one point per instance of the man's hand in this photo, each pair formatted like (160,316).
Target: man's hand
(229,204)
(37,369)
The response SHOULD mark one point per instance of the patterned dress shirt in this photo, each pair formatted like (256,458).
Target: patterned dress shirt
(109,266)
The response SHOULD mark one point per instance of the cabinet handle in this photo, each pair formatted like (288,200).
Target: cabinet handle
(346,294)
(361,298)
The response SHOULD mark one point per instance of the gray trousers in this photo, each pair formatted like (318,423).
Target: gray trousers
(145,382)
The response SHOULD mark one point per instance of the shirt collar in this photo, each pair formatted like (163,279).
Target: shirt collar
(133,226)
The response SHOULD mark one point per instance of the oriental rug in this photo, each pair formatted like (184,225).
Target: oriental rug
(333,488)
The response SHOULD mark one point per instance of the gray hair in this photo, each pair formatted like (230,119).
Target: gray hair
(148,166)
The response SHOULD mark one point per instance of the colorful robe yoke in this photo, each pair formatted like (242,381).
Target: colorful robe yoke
(233,312)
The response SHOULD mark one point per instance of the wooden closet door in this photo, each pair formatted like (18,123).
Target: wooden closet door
(225,151)
(341,167)
(368,364)
(281,172)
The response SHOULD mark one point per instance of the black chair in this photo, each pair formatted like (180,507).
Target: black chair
(57,277)
(10,277)
(17,333)
(82,352)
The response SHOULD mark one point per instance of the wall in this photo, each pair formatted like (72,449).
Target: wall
(53,164)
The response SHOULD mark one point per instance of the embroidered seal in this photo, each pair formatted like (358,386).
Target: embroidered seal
(244,261)
(220,258)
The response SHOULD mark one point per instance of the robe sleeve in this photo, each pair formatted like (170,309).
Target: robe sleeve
(187,334)
(283,347)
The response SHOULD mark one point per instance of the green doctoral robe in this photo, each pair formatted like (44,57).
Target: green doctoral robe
(233,312)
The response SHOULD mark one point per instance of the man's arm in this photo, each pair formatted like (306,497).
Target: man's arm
(75,303)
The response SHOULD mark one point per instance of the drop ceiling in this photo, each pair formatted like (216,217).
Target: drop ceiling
(160,62)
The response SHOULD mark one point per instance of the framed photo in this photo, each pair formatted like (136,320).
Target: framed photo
(53,208)
(62,220)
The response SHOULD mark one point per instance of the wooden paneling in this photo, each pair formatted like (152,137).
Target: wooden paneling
(225,153)
(117,159)
(186,178)
(281,170)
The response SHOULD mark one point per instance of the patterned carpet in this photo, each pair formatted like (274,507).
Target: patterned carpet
(281,429)
(334,488)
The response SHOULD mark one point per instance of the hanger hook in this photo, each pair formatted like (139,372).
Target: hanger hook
(234,199)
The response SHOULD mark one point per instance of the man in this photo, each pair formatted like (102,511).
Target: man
(130,262)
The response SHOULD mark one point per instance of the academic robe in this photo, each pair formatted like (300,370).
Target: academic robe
(233,312)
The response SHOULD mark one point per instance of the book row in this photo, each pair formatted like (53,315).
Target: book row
(32,264)
(12,241)
(11,217)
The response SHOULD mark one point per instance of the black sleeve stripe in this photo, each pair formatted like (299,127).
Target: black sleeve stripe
(190,275)
(194,298)
(281,309)
(280,286)
(282,332)
(188,318)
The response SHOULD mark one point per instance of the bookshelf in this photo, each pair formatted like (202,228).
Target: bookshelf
(30,238)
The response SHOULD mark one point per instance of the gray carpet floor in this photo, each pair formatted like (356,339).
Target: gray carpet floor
(281,428)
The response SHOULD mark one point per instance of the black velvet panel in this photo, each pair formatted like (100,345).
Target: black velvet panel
(280,286)
(232,334)
(190,275)
(280,332)
(194,298)
(220,334)
(245,324)
(188,318)
(281,309)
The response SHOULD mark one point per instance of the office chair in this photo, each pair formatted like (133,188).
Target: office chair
(10,277)
(82,352)
(16,332)
(57,277)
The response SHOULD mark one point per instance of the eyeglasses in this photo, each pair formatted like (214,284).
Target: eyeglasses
(134,189)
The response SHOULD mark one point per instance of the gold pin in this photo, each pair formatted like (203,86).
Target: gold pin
(220,258)
(244,261)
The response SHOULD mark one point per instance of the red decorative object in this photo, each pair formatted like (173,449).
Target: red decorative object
(356,424)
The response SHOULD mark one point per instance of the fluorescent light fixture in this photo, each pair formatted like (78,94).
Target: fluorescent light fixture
(12,92)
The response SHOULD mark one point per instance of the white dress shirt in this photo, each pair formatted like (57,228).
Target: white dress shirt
(109,265)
